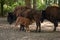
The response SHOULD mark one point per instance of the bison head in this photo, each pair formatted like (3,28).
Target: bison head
(11,17)
(43,16)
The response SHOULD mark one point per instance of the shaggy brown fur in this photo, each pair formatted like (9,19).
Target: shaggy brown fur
(52,13)
(20,9)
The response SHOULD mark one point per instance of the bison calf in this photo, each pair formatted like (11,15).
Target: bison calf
(24,21)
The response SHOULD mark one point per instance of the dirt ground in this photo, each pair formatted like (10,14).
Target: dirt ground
(7,32)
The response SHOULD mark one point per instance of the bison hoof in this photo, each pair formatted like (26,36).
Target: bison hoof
(39,31)
(54,29)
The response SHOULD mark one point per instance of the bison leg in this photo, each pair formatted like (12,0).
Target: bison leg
(22,27)
(17,21)
(55,25)
(42,19)
(27,28)
(38,26)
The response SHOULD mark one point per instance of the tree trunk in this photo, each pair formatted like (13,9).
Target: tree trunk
(49,2)
(2,3)
(55,1)
(59,3)
(28,3)
(34,4)
(46,3)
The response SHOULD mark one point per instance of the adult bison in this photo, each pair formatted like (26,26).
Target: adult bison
(29,13)
(12,18)
(52,13)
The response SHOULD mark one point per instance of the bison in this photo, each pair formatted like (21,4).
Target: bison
(12,18)
(24,21)
(51,13)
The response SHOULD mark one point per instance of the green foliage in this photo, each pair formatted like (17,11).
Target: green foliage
(41,5)
(10,5)
(21,2)
(8,8)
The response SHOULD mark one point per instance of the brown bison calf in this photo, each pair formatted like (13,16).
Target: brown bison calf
(24,21)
